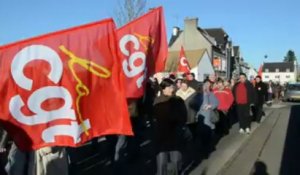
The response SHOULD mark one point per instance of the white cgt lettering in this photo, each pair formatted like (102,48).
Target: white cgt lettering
(35,52)
(34,104)
(129,68)
(74,130)
(35,100)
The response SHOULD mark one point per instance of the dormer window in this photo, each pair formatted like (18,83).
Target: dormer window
(288,70)
(266,70)
(276,70)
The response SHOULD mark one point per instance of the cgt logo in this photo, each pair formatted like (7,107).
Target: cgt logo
(183,61)
(134,55)
(38,96)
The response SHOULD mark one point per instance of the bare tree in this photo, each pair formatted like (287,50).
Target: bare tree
(128,10)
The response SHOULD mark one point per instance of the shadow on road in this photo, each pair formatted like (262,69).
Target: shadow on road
(260,168)
(291,153)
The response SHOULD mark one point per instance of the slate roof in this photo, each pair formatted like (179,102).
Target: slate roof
(193,57)
(219,35)
(206,35)
(282,66)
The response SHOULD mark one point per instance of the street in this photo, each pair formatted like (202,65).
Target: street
(273,148)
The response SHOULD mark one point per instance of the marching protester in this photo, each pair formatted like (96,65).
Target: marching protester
(178,83)
(207,118)
(209,104)
(170,114)
(192,82)
(44,161)
(187,93)
(227,85)
(261,91)
(172,76)
(244,96)
(213,80)
(277,91)
(270,92)
(225,98)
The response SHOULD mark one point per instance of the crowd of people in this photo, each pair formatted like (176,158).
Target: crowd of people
(210,105)
(187,117)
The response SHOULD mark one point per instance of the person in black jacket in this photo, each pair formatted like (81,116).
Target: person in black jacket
(261,92)
(244,95)
(192,82)
(170,114)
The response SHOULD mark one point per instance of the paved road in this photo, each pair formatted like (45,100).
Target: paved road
(274,147)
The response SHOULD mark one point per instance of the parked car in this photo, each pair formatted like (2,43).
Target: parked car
(292,92)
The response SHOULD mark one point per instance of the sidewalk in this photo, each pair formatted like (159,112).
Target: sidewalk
(264,148)
(227,149)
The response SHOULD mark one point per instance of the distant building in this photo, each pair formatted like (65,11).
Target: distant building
(224,45)
(282,72)
(194,38)
(199,61)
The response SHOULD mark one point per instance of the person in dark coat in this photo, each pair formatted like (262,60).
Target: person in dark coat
(192,82)
(262,93)
(170,114)
(244,95)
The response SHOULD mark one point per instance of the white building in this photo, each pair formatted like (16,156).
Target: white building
(282,72)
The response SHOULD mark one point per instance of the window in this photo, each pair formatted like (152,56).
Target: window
(287,76)
(276,70)
(277,76)
(266,76)
(266,70)
(287,70)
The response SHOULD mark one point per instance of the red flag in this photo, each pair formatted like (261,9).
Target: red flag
(260,70)
(183,64)
(143,48)
(63,88)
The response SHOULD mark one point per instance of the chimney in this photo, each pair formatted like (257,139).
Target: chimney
(175,31)
(190,23)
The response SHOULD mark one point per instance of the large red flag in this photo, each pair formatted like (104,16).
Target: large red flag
(143,48)
(63,88)
(183,64)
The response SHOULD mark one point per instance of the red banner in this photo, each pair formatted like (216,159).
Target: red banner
(183,64)
(63,88)
(143,48)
